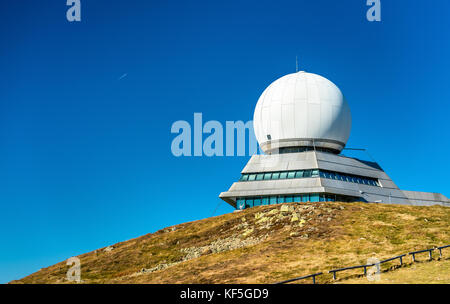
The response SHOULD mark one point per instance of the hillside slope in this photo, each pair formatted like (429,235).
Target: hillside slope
(263,244)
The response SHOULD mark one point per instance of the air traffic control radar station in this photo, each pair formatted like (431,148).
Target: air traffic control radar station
(302,123)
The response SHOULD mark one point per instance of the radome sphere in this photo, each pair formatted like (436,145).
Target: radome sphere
(302,110)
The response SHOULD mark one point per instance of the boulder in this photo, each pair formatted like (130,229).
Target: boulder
(284,208)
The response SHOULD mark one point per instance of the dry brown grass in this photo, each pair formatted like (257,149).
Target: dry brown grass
(338,235)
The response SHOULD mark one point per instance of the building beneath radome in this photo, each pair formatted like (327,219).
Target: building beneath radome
(302,123)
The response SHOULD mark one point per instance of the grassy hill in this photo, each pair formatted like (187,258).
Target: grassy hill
(266,244)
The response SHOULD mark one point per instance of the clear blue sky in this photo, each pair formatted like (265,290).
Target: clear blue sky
(85,158)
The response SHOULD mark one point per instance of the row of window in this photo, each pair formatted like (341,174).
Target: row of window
(309,173)
(304,149)
(248,202)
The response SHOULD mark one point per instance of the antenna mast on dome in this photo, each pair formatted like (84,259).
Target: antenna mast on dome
(296,64)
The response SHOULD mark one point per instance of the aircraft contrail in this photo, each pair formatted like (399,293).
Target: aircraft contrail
(123,76)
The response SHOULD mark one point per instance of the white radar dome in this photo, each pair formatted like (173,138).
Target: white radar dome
(302,110)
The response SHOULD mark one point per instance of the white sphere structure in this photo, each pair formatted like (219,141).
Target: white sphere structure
(302,110)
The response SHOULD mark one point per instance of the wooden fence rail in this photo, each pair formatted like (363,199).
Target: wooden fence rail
(440,249)
(400,257)
(314,275)
(420,251)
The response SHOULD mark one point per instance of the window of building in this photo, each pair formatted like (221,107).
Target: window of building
(309,173)
(240,203)
(273,200)
(299,174)
(265,201)
(248,203)
(314,197)
(257,202)
(288,199)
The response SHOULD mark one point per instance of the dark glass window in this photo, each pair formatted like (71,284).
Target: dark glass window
(265,201)
(280,199)
(314,197)
(315,173)
(273,200)
(288,199)
(249,203)
(305,197)
(309,173)
(297,198)
(257,202)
